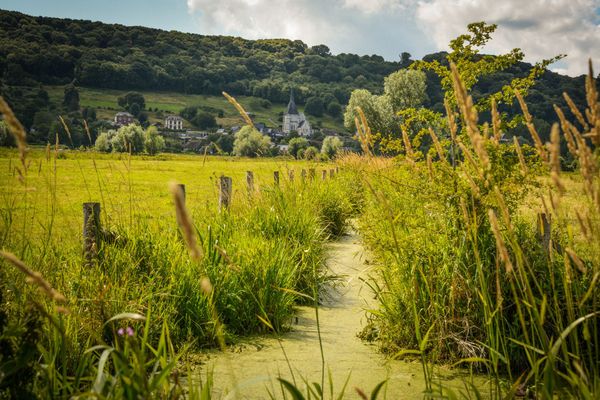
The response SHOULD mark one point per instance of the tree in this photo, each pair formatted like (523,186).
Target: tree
(334,109)
(204,120)
(405,60)
(153,142)
(331,146)
(104,141)
(71,97)
(297,144)
(314,106)
(377,109)
(472,66)
(89,114)
(188,113)
(250,143)
(310,153)
(135,109)
(128,138)
(319,50)
(405,88)
(129,99)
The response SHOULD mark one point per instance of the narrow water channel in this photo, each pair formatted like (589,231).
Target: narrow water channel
(248,370)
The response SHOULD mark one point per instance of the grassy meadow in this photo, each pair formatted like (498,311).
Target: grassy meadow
(465,274)
(247,279)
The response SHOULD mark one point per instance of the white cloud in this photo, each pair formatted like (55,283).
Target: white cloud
(541,28)
(376,6)
(357,26)
(293,19)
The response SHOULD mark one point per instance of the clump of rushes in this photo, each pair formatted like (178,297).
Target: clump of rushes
(479,277)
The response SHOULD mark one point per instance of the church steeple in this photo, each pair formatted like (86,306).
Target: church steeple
(291,108)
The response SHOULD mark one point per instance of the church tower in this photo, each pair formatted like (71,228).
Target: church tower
(294,120)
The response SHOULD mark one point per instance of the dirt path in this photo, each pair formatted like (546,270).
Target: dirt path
(253,366)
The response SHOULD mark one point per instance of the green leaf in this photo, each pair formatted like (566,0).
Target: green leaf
(296,395)
(377,389)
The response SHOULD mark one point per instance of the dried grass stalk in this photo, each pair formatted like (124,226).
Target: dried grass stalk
(240,109)
(500,245)
(451,120)
(34,277)
(576,111)
(496,122)
(16,129)
(363,132)
(522,163)
(185,222)
(469,113)
(438,146)
(593,110)
(532,131)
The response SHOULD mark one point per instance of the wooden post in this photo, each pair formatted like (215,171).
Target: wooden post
(337,170)
(311,174)
(276,178)
(324,174)
(331,173)
(291,175)
(303,175)
(250,182)
(544,229)
(225,186)
(91,230)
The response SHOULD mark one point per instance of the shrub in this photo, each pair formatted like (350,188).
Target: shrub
(331,146)
(250,143)
(296,145)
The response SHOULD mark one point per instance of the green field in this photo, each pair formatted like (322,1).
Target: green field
(105,102)
(129,187)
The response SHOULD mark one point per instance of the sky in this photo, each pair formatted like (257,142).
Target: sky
(541,28)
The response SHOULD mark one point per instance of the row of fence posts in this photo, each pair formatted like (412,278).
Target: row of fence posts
(92,229)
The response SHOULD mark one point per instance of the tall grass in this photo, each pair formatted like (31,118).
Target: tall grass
(469,264)
(144,272)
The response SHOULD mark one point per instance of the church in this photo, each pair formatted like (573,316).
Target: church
(294,120)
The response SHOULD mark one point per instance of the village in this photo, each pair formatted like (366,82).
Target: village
(182,135)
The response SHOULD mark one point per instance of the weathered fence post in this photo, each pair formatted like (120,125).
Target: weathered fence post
(544,229)
(337,170)
(91,230)
(311,174)
(276,178)
(250,182)
(331,173)
(291,175)
(303,175)
(324,174)
(224,192)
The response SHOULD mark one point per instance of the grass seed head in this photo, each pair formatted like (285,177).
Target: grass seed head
(185,222)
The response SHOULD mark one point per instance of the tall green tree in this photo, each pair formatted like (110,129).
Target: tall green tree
(405,88)
(71,97)
(472,66)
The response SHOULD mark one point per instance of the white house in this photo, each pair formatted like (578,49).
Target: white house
(174,123)
(123,118)
(294,120)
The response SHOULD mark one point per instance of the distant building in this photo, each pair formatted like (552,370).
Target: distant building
(174,123)
(123,118)
(293,120)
